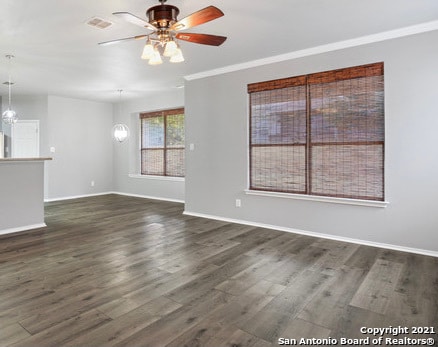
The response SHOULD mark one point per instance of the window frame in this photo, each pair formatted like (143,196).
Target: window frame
(350,73)
(158,114)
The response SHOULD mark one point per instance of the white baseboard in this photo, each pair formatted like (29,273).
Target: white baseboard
(77,196)
(23,228)
(118,193)
(149,197)
(314,234)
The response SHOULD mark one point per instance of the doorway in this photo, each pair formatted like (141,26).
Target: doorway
(25,139)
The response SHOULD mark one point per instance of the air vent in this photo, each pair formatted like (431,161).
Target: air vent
(99,23)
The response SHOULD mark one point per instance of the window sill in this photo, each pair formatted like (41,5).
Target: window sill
(161,178)
(368,203)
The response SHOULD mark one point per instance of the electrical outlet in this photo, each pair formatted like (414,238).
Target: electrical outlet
(92,183)
(238,203)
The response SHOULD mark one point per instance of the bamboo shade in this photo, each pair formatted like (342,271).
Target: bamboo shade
(320,134)
(162,143)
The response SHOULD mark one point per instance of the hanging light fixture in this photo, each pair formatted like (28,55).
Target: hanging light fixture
(161,44)
(9,116)
(120,131)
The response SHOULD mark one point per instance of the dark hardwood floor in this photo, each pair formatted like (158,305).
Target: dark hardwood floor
(123,271)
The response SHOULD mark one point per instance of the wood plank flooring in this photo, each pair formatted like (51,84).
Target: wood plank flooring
(123,271)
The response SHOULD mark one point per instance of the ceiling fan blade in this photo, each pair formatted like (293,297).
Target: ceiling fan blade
(138,37)
(129,17)
(203,39)
(199,17)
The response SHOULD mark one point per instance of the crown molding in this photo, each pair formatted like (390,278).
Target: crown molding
(359,41)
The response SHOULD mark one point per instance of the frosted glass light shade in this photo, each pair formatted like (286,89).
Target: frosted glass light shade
(156,58)
(170,49)
(120,132)
(148,50)
(177,57)
(9,116)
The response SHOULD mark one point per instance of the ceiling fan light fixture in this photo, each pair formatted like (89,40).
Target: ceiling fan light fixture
(177,57)
(170,49)
(163,22)
(148,50)
(156,58)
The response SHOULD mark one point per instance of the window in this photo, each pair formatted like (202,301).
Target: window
(162,143)
(319,134)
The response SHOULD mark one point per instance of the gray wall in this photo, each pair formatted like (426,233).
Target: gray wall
(21,192)
(80,131)
(217,170)
(127,154)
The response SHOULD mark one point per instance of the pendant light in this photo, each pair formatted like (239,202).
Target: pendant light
(120,131)
(9,116)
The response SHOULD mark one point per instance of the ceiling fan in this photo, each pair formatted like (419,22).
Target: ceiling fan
(165,27)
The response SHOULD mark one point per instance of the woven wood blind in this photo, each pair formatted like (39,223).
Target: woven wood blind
(162,143)
(320,134)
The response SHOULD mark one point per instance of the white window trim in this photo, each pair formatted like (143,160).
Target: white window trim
(345,201)
(162,178)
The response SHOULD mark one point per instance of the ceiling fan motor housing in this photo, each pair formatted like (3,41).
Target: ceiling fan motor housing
(162,16)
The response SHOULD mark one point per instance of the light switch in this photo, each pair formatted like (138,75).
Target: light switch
(192,146)
(52,150)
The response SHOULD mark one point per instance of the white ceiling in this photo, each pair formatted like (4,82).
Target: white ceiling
(57,53)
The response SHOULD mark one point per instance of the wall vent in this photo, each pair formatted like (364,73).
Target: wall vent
(99,23)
